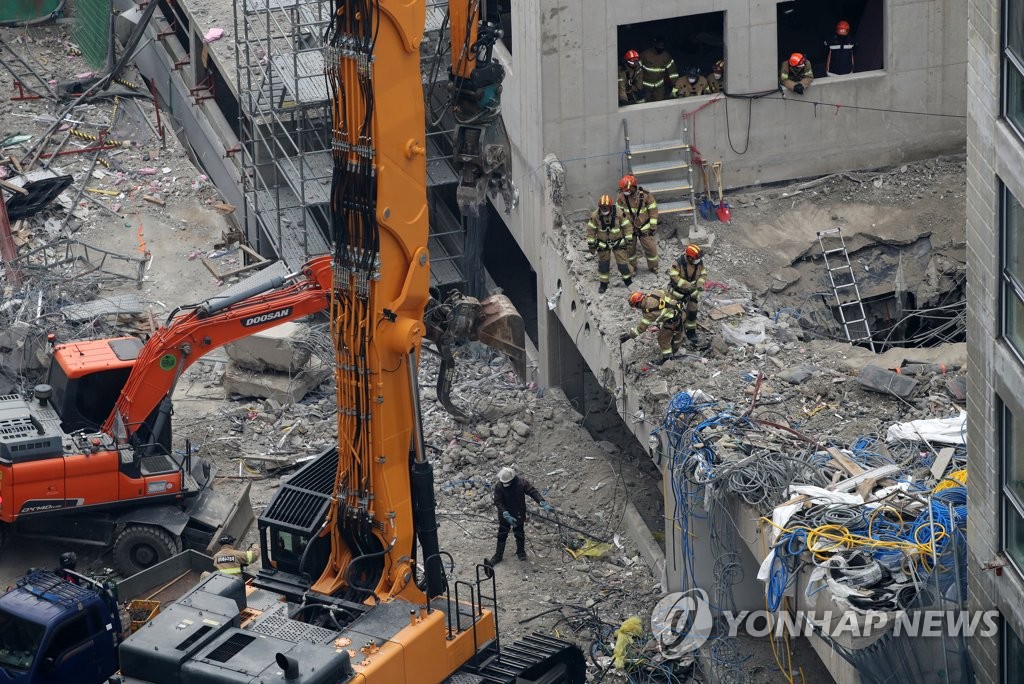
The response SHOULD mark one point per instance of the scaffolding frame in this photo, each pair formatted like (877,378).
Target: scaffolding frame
(285,123)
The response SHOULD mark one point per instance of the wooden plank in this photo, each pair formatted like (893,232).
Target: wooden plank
(845,462)
(870,476)
(12,187)
(942,462)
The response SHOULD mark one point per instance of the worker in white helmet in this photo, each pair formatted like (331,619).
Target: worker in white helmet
(510,500)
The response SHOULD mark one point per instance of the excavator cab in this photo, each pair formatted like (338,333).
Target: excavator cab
(86,378)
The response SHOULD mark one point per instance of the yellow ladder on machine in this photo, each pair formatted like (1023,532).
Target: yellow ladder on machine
(851,312)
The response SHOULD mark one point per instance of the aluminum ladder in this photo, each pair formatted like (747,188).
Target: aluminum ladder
(844,285)
(667,168)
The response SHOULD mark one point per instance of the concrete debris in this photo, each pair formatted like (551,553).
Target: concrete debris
(282,348)
(281,387)
(887,382)
(114,305)
(797,375)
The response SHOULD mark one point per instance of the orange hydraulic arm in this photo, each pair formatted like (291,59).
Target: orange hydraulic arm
(464,18)
(381,287)
(190,334)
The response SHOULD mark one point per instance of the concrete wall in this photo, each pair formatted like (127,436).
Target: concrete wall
(925,57)
(994,152)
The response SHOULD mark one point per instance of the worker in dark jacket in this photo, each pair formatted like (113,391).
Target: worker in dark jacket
(840,51)
(510,499)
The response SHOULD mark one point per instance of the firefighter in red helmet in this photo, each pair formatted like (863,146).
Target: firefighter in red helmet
(631,79)
(610,234)
(658,309)
(686,283)
(796,73)
(640,209)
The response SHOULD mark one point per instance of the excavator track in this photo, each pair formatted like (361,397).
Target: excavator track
(535,659)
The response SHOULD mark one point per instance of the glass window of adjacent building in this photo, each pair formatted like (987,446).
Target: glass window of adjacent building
(1013,63)
(1011,446)
(1013,271)
(1013,655)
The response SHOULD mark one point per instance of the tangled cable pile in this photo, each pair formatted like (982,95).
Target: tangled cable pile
(869,522)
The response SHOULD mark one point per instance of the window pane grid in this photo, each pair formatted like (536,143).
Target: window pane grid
(1013,654)
(1012,486)
(1012,270)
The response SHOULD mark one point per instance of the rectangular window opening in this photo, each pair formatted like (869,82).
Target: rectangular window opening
(810,28)
(1011,447)
(1012,271)
(1013,65)
(1013,654)
(692,45)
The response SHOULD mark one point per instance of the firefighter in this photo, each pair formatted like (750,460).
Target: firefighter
(631,79)
(230,561)
(609,233)
(690,84)
(659,70)
(686,281)
(640,209)
(796,73)
(657,308)
(510,501)
(716,83)
(840,51)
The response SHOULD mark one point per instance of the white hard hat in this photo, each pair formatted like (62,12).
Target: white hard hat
(505,475)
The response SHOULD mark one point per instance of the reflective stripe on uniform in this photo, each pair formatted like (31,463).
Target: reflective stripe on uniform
(230,571)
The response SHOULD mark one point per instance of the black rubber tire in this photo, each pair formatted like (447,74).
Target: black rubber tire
(142,546)
(4,533)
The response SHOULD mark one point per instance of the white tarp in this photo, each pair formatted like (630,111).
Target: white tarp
(941,430)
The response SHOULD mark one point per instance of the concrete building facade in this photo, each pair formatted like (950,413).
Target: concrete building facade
(567,54)
(563,116)
(995,333)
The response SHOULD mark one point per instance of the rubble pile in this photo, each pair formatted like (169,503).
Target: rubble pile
(878,526)
(97,191)
(533,429)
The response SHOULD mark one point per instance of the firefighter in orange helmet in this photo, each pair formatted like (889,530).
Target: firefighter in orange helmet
(609,233)
(796,73)
(631,79)
(657,308)
(640,209)
(686,281)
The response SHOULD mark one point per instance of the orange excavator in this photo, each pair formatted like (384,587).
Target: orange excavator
(88,458)
(354,586)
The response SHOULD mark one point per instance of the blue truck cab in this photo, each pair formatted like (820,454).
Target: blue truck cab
(54,631)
